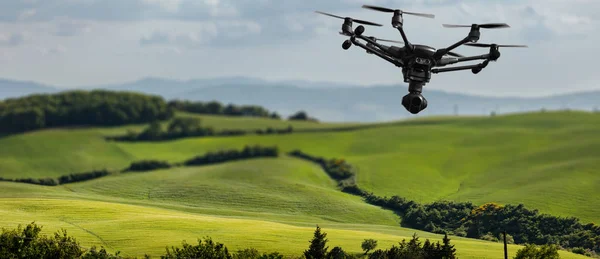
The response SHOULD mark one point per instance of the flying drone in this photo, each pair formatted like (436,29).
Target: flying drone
(419,61)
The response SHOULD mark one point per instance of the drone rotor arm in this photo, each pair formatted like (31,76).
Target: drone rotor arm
(368,39)
(405,39)
(478,67)
(396,62)
(453,60)
(441,52)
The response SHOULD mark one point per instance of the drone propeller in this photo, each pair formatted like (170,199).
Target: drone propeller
(483,45)
(351,19)
(485,25)
(388,10)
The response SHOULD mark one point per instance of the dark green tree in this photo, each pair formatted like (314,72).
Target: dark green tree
(448,250)
(317,248)
(337,253)
(368,245)
(184,126)
(275,115)
(152,132)
(301,115)
(206,248)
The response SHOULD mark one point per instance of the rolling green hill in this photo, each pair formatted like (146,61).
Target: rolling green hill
(543,160)
(526,158)
(529,159)
(274,212)
(138,230)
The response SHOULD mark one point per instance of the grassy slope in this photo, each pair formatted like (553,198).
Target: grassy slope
(89,212)
(127,228)
(457,150)
(56,152)
(528,159)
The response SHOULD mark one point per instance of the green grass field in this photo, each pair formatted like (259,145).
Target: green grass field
(543,160)
(138,230)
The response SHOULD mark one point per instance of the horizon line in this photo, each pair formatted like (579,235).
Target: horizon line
(273,81)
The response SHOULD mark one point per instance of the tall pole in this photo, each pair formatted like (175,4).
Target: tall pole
(505,247)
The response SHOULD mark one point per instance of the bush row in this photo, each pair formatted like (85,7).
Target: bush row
(185,127)
(217,108)
(29,243)
(71,178)
(247,152)
(488,221)
(80,108)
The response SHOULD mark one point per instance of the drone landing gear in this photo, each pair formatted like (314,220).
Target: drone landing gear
(414,102)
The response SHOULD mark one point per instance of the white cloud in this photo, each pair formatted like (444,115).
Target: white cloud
(51,50)
(171,6)
(12,39)
(122,40)
(68,27)
(25,14)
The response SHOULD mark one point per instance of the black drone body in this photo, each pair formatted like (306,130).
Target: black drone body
(418,62)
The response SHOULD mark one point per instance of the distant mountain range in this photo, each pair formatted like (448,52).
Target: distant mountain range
(325,101)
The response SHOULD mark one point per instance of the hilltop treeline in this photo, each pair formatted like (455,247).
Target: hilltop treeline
(111,108)
(525,226)
(248,152)
(29,243)
(185,127)
(80,108)
(217,108)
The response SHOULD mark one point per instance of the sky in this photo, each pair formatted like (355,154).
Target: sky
(71,43)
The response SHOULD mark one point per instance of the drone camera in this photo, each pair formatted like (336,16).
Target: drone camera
(414,102)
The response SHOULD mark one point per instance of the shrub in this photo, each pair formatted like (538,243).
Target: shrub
(531,251)
(147,165)
(80,177)
(204,249)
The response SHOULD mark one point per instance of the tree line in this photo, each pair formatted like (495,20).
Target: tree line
(80,108)
(218,108)
(28,242)
(185,127)
(189,127)
(248,152)
(488,221)
(109,108)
